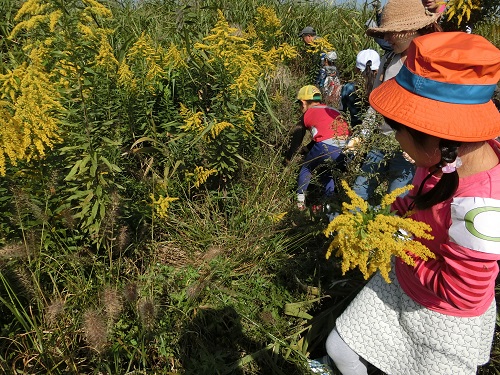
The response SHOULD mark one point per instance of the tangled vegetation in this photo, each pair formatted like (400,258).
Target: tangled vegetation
(147,223)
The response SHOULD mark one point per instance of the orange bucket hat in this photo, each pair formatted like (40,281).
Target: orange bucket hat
(445,88)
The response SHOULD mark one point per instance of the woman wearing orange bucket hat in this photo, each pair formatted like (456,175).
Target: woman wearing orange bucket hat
(437,317)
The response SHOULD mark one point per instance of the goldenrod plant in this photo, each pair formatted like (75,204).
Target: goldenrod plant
(462,9)
(238,62)
(368,237)
(146,222)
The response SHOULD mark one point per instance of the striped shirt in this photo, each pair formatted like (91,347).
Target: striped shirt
(466,230)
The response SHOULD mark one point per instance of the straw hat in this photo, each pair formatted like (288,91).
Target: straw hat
(403,15)
(445,88)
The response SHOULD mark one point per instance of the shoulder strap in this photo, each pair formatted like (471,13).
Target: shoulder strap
(388,61)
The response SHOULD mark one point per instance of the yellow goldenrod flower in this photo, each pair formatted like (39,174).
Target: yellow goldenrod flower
(126,77)
(66,73)
(155,71)
(29,115)
(320,44)
(200,175)
(54,18)
(30,24)
(161,205)
(391,197)
(97,9)
(144,60)
(367,237)
(192,121)
(461,9)
(267,22)
(30,7)
(106,58)
(218,127)
(143,48)
(251,33)
(286,51)
(247,118)
(175,57)
(246,83)
(357,203)
(87,32)
(268,17)
(276,218)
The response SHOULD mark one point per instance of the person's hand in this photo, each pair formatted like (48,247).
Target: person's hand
(304,150)
(407,158)
(353,143)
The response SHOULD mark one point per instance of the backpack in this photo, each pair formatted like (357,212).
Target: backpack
(330,86)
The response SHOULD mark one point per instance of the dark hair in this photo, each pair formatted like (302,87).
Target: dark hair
(369,76)
(448,183)
(432,28)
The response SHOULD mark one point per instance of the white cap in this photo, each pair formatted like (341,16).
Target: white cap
(331,56)
(366,55)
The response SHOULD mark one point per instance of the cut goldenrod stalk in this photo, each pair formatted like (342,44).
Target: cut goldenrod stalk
(367,237)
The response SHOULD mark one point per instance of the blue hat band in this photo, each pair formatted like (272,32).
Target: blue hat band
(443,91)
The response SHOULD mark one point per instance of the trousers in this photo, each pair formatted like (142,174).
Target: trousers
(399,172)
(316,157)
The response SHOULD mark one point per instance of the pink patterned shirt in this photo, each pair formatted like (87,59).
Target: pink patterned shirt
(466,230)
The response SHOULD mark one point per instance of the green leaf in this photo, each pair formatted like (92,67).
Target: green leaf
(95,207)
(98,191)
(73,170)
(79,194)
(112,167)
(93,167)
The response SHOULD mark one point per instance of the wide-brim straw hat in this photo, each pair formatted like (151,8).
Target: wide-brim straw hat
(445,88)
(403,15)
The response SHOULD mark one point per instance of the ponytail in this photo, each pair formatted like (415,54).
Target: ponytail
(447,184)
(369,76)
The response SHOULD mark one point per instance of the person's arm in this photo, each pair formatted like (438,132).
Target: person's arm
(401,204)
(461,276)
(466,265)
(298,133)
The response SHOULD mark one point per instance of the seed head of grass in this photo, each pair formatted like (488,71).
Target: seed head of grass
(54,311)
(95,330)
(112,303)
(147,312)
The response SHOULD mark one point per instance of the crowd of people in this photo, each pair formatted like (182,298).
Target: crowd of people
(434,91)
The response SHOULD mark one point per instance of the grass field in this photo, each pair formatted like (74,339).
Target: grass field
(148,223)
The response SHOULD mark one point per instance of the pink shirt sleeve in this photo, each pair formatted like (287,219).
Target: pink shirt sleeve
(461,278)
